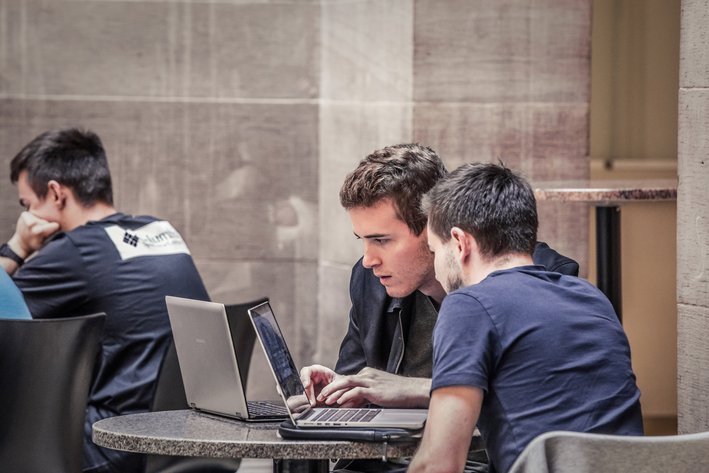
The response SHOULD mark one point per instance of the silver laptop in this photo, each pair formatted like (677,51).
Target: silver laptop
(212,342)
(293,392)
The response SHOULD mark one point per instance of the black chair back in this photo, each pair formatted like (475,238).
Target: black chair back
(46,366)
(169,390)
(243,332)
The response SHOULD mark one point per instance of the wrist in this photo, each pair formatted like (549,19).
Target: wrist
(7,252)
(16,246)
(421,392)
(411,393)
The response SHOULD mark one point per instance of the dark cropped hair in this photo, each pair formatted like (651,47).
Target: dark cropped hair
(74,158)
(402,173)
(490,202)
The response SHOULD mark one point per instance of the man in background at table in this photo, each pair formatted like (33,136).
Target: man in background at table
(386,355)
(518,350)
(88,258)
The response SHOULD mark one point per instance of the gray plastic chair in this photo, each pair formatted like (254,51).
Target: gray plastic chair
(557,452)
(46,367)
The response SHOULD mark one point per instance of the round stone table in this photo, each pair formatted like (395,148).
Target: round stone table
(190,433)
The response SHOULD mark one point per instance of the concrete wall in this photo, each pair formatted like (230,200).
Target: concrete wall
(693,220)
(237,120)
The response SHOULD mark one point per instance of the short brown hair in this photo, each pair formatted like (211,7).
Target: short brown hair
(402,173)
(488,201)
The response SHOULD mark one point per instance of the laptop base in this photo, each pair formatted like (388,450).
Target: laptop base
(362,434)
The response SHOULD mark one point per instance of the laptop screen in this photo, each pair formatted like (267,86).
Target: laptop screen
(207,354)
(274,345)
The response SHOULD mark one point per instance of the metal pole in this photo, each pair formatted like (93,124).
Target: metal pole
(608,255)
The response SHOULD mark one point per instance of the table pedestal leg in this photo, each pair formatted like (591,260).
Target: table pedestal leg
(608,254)
(300,466)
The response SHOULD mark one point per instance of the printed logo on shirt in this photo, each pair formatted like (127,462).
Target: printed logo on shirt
(153,239)
(132,240)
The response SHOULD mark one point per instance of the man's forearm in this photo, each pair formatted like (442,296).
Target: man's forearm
(449,428)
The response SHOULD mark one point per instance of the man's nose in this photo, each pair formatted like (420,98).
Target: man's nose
(371,258)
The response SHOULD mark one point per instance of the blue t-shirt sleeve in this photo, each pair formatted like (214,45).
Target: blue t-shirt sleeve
(463,344)
(12,304)
(54,282)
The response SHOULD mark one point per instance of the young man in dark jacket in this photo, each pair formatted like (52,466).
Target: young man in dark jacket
(386,355)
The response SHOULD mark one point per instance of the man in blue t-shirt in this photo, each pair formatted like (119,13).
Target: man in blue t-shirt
(88,258)
(518,350)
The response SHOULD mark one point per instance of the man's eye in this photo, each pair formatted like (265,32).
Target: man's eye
(380,241)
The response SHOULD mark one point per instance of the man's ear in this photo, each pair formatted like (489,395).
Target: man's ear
(462,242)
(57,193)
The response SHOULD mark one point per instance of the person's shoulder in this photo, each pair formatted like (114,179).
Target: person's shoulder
(552,260)
(94,231)
(464,296)
(124,233)
(463,292)
(581,284)
(119,222)
(145,219)
(461,308)
(122,219)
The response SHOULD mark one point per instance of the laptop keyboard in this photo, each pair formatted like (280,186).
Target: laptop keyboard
(345,415)
(267,409)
